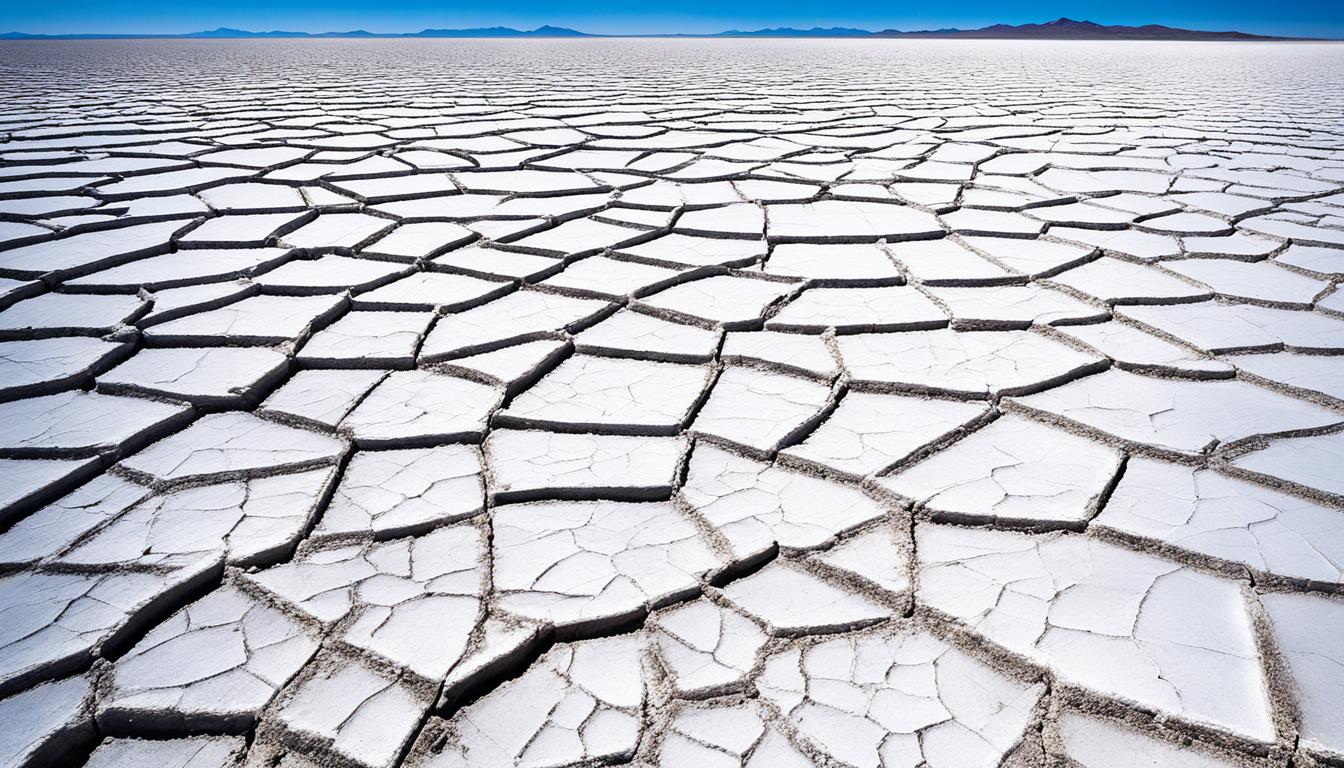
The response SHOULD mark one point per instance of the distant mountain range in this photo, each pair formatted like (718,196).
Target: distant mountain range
(1059,29)
(227,33)
(1068,29)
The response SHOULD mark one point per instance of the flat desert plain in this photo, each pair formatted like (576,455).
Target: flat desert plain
(706,403)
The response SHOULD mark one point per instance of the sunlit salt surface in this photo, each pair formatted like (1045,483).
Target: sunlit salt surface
(671,403)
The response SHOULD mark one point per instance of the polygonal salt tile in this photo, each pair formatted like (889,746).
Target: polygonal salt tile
(243,523)
(224,446)
(945,262)
(1126,242)
(759,409)
(586,393)
(1123,282)
(257,321)
(1306,630)
(520,316)
(603,277)
(69,314)
(707,648)
(525,182)
(364,716)
(55,623)
(991,224)
(859,310)
(729,301)
(395,493)
(1307,462)
(1035,258)
(1014,472)
(1014,306)
(253,196)
(12,290)
(187,752)
(1201,511)
(77,424)
(1125,624)
(479,260)
(757,507)
(727,736)
(1084,215)
(578,236)
(439,291)
(677,249)
(899,699)
(329,274)
(337,230)
(212,665)
(1322,261)
(1186,223)
(240,230)
(321,398)
(514,367)
(840,221)
(367,339)
(870,432)
(53,527)
(802,354)
(879,556)
(89,251)
(414,602)
(967,363)
(500,642)
(172,303)
(42,366)
(416,408)
(1092,742)
(634,334)
(1311,373)
(1220,203)
(1181,417)
(578,704)
(1235,245)
(791,601)
(1136,350)
(835,265)
(421,240)
(44,724)
(531,465)
(1218,328)
(27,483)
(736,220)
(1332,302)
(394,187)
(595,564)
(220,377)
(1261,281)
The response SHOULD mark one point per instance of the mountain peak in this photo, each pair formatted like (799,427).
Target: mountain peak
(1062,28)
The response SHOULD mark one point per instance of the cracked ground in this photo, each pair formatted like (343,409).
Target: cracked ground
(731,404)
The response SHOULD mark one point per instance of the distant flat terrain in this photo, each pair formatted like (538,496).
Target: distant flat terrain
(1059,29)
(679,403)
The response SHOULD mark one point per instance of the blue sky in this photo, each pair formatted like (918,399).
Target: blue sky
(1288,17)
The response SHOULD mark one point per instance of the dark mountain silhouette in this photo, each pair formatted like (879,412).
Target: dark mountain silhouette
(228,33)
(1059,29)
(1068,29)
(546,31)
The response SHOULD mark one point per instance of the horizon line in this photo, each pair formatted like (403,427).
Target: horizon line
(1157,32)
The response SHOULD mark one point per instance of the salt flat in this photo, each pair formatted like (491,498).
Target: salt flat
(699,403)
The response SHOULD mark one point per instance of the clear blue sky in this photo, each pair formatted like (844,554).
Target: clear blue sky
(1289,17)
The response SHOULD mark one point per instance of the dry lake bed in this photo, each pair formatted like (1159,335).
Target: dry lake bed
(741,404)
